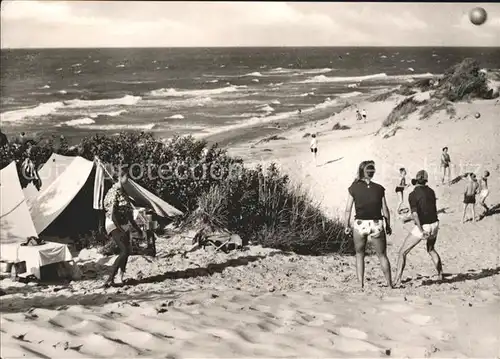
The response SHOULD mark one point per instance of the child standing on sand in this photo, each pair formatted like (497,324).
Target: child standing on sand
(363,113)
(483,186)
(358,115)
(314,148)
(470,192)
(401,187)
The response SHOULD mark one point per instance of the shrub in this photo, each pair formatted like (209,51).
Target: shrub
(264,208)
(461,80)
(436,105)
(338,126)
(382,97)
(402,111)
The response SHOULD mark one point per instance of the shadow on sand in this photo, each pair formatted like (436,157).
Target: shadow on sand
(98,296)
(492,211)
(462,277)
(331,161)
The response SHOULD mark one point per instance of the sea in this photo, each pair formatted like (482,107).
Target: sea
(223,94)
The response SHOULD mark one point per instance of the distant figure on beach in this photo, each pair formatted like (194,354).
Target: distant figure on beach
(369,201)
(363,113)
(400,188)
(424,211)
(314,148)
(470,192)
(484,191)
(120,217)
(358,115)
(445,164)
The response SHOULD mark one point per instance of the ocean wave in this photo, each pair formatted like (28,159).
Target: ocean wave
(108,114)
(350,94)
(62,92)
(323,78)
(125,100)
(266,108)
(44,87)
(254,74)
(275,102)
(357,79)
(316,71)
(306,94)
(76,65)
(120,65)
(255,80)
(118,127)
(176,117)
(172,92)
(77,122)
(42,109)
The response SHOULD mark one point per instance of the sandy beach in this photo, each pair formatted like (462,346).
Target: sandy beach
(265,303)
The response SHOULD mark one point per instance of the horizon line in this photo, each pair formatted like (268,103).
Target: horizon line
(246,46)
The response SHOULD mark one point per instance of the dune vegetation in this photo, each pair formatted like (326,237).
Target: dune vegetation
(210,187)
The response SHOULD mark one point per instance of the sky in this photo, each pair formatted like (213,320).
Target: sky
(49,24)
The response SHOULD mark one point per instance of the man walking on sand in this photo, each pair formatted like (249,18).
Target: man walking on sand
(363,113)
(423,208)
(470,192)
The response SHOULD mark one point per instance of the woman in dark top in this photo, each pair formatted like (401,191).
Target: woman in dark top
(424,211)
(369,201)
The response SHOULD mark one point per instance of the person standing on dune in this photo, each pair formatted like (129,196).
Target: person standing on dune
(314,148)
(424,212)
(470,192)
(369,201)
(445,164)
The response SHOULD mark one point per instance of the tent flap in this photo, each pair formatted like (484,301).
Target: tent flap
(143,198)
(16,224)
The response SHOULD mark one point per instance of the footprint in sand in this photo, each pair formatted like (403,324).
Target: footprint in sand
(352,333)
(419,319)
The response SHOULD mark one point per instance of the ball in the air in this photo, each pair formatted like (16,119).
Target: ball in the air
(478,16)
(477,115)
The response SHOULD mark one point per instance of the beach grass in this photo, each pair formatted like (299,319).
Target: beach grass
(401,112)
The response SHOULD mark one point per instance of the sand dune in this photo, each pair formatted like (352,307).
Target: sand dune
(264,303)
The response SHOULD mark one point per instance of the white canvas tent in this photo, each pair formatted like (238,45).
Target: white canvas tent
(16,226)
(66,197)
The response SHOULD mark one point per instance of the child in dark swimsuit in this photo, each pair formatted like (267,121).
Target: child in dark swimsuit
(471,190)
(401,187)
(445,164)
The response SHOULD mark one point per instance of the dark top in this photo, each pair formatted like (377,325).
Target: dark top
(367,199)
(423,202)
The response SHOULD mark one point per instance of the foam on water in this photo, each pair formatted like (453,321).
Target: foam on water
(78,122)
(177,117)
(41,110)
(125,100)
(172,92)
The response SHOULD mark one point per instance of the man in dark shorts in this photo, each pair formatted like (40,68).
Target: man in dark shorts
(470,192)
(423,207)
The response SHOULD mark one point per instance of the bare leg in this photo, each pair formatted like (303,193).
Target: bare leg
(400,195)
(409,243)
(444,174)
(380,245)
(473,208)
(360,246)
(465,212)
(316,158)
(435,256)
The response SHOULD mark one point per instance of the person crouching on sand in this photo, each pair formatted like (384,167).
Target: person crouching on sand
(314,148)
(470,192)
(369,201)
(483,184)
(120,218)
(423,209)
(400,188)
